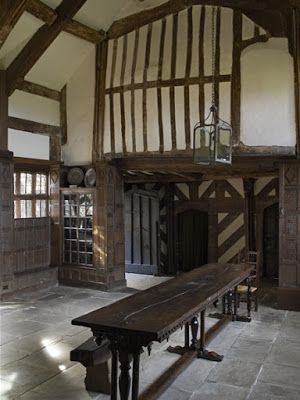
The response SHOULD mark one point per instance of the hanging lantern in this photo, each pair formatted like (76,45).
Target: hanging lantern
(213,140)
(213,137)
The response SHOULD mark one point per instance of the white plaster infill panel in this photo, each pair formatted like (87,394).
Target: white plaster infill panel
(267,95)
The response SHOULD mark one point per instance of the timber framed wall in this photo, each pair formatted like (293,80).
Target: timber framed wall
(158,81)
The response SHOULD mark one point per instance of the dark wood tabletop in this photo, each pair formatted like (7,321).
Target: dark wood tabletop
(160,310)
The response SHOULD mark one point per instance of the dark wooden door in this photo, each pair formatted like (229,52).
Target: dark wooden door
(271,242)
(192,244)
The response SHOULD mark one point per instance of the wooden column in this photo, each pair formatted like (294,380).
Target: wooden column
(63,115)
(289,244)
(3,111)
(7,254)
(109,254)
(99,107)
(236,77)
(296,56)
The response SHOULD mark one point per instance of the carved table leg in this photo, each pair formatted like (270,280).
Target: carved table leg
(229,302)
(203,353)
(124,381)
(220,315)
(114,375)
(194,329)
(182,349)
(135,376)
(187,336)
(234,315)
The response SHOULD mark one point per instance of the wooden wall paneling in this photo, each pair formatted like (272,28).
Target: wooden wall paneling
(109,252)
(55,215)
(122,103)
(63,115)
(173,73)
(146,67)
(236,77)
(289,247)
(296,57)
(159,78)
(3,112)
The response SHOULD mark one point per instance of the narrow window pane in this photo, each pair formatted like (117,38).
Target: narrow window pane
(38,184)
(26,183)
(15,209)
(15,183)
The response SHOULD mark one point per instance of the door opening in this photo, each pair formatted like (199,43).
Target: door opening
(271,243)
(192,239)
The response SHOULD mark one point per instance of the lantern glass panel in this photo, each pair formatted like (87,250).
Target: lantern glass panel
(223,149)
(203,146)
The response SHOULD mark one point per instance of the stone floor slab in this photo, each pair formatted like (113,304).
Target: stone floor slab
(217,391)
(281,375)
(235,372)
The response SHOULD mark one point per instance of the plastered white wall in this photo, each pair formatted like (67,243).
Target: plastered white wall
(28,145)
(267,95)
(80,113)
(34,108)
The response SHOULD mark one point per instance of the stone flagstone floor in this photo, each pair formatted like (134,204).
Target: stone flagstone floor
(262,359)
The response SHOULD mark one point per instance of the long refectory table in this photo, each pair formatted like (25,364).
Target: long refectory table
(154,314)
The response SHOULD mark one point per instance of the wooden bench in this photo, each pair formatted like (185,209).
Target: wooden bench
(96,361)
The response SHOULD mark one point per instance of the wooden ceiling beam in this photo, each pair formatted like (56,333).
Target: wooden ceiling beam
(38,90)
(39,43)
(8,19)
(45,13)
(241,165)
(132,22)
(24,125)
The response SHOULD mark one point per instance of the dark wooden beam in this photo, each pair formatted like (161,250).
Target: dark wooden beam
(63,115)
(182,163)
(99,105)
(13,11)
(25,125)
(39,90)
(296,57)
(3,111)
(39,43)
(128,24)
(41,11)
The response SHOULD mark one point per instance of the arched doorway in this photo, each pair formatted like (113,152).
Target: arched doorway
(271,243)
(192,239)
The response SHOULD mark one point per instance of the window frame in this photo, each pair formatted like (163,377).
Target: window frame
(33,197)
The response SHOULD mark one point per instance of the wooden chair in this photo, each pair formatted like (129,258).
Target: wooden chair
(248,289)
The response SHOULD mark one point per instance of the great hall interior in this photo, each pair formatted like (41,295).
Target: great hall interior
(150,199)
